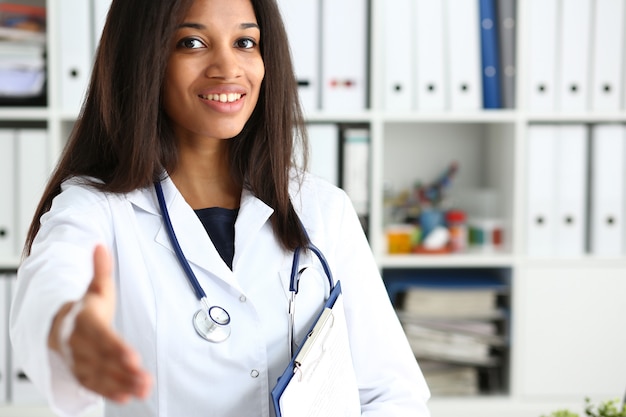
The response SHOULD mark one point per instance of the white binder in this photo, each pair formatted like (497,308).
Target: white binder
(302,22)
(540,210)
(356,167)
(75,57)
(344,55)
(431,86)
(398,49)
(607,55)
(543,19)
(464,57)
(8,240)
(324,151)
(22,390)
(573,78)
(571,190)
(33,169)
(100,11)
(608,157)
(5,299)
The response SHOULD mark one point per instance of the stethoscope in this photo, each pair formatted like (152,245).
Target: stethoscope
(212,323)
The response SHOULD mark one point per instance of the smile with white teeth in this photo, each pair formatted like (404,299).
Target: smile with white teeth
(222,98)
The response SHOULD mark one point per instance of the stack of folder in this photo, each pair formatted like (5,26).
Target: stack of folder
(457,325)
(22,54)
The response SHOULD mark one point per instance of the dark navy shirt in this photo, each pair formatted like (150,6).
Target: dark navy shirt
(220,225)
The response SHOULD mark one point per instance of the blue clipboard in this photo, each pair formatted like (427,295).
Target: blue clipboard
(290,370)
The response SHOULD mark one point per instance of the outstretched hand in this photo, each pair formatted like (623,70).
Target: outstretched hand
(101,361)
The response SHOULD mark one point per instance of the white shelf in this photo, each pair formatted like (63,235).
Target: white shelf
(493,144)
(483,260)
(24,114)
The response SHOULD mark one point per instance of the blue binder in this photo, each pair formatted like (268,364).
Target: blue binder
(492,96)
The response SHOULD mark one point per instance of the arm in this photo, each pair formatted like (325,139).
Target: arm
(58,273)
(389,378)
(81,333)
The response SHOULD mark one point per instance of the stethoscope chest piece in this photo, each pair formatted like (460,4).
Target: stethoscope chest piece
(212,324)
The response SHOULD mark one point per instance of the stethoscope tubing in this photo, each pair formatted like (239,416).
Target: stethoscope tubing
(177,249)
(294,280)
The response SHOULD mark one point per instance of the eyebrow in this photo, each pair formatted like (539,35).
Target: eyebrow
(200,26)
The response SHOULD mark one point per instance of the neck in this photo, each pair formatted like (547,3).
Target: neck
(203,177)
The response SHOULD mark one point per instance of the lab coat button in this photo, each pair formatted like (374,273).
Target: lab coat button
(243,298)
(254,373)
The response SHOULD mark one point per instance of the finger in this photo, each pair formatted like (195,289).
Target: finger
(109,371)
(102,269)
(109,377)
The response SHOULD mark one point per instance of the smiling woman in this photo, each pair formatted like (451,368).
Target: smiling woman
(214,73)
(186,170)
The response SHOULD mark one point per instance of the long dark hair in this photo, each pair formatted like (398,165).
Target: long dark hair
(123,139)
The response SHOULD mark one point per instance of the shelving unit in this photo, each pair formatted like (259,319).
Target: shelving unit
(566,314)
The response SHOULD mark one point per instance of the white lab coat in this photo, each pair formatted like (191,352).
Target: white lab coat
(155,303)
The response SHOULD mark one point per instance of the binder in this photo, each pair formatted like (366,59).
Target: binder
(356,167)
(541,183)
(507,25)
(557,190)
(100,11)
(430,71)
(21,390)
(607,55)
(490,55)
(542,46)
(344,55)
(608,157)
(571,190)
(463,51)
(324,151)
(574,51)
(302,22)
(33,169)
(75,47)
(5,298)
(320,379)
(8,242)
(398,47)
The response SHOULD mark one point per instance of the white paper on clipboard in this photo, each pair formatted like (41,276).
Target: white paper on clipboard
(320,379)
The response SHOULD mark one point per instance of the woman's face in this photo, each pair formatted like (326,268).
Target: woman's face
(214,71)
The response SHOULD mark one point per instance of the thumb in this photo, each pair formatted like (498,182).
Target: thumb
(102,283)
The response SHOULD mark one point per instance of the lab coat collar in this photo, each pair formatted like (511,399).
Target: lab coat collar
(192,237)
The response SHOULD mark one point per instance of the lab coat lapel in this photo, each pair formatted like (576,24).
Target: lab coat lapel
(192,237)
(253,215)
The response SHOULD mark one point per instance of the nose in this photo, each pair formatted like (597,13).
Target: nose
(224,63)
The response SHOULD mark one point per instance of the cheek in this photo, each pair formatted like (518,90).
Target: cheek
(173,89)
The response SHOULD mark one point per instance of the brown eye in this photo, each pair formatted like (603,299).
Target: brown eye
(189,43)
(245,43)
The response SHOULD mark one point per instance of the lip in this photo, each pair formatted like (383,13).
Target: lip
(224,99)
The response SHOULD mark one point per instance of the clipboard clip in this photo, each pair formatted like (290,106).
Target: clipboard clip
(316,341)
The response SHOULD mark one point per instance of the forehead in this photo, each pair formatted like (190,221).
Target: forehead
(221,10)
